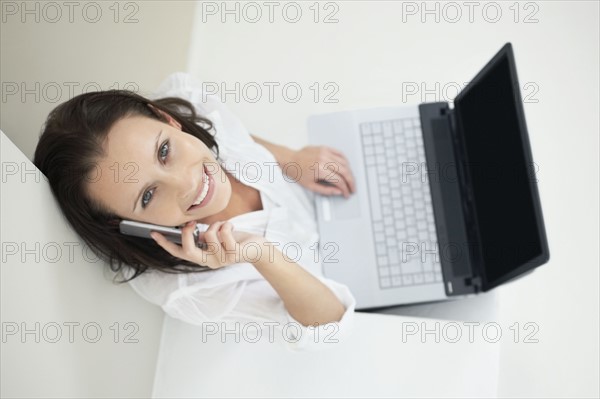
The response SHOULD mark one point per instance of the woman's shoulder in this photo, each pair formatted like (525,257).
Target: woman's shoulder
(186,86)
(182,85)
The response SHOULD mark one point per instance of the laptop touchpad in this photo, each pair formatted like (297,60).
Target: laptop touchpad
(337,207)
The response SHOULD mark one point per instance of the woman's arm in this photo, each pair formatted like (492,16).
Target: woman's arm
(306,298)
(317,164)
(282,154)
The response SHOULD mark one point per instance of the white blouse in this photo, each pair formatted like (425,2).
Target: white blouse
(239,293)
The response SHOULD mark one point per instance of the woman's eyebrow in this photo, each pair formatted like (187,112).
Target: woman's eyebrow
(137,200)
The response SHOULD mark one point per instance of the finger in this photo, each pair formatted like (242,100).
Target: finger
(338,181)
(343,166)
(327,171)
(213,246)
(327,190)
(343,185)
(346,177)
(211,236)
(188,242)
(339,159)
(346,172)
(229,242)
(336,151)
(340,164)
(335,164)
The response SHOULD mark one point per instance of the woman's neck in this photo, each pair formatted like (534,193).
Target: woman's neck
(244,199)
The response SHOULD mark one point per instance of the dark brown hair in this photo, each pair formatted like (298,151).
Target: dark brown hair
(69,147)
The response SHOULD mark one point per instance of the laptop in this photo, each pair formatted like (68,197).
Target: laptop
(446,203)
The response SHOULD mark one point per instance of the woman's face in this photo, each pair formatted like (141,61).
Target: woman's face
(154,173)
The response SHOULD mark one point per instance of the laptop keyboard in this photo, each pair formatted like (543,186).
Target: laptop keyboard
(402,214)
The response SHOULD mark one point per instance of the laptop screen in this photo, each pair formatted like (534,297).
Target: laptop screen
(501,172)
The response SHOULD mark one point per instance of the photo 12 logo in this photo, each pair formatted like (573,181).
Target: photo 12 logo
(253,332)
(69,331)
(452,12)
(447,91)
(469,331)
(55,92)
(53,12)
(289,92)
(253,12)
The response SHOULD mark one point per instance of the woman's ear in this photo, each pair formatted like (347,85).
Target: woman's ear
(170,120)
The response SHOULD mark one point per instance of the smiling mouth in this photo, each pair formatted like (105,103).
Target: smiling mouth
(203,193)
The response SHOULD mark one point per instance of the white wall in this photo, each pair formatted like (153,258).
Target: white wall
(43,286)
(373,55)
(48,61)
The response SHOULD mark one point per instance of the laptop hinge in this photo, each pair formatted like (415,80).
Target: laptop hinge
(448,198)
(475,282)
(461,166)
(468,201)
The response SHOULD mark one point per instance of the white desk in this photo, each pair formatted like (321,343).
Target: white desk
(372,362)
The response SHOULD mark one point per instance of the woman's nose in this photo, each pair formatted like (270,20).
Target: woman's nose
(185,184)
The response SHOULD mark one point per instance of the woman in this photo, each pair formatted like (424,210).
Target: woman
(116,155)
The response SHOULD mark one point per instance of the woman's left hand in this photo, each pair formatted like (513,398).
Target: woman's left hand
(323,170)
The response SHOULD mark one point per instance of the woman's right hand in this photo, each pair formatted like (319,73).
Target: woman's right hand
(224,246)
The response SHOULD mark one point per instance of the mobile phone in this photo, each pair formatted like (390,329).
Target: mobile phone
(173,234)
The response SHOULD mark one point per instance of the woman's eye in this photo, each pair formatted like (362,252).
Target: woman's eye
(146,198)
(164,150)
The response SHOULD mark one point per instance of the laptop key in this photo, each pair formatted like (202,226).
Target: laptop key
(387,130)
(428,267)
(373,183)
(394,259)
(411,267)
(397,126)
(366,129)
(385,282)
(418,278)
